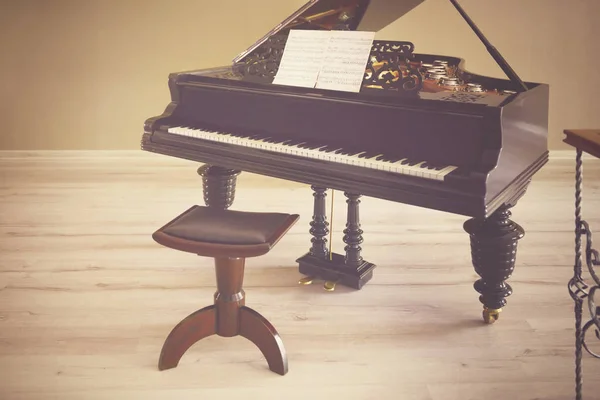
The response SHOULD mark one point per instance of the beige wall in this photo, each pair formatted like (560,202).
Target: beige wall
(84,74)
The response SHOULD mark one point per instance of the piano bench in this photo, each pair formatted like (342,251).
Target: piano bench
(229,237)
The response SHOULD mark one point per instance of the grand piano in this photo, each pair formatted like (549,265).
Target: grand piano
(422,131)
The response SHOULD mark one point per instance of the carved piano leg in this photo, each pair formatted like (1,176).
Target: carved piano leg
(353,234)
(349,270)
(360,271)
(218,185)
(318,230)
(494,249)
(319,225)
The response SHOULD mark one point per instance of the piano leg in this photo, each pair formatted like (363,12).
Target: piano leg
(319,225)
(349,270)
(318,231)
(493,250)
(218,185)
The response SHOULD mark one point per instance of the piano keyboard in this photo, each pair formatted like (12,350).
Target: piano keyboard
(380,162)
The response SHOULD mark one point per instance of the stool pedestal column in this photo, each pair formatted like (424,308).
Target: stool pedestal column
(229,297)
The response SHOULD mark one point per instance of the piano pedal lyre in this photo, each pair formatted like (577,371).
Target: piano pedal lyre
(308,280)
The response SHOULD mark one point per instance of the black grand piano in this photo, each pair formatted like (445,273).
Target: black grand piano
(422,131)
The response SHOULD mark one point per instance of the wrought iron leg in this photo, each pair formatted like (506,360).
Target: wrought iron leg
(578,288)
(218,185)
(493,250)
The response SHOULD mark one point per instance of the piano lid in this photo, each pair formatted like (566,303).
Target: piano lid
(360,15)
(368,15)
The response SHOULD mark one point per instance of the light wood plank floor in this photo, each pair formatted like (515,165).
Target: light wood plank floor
(87,298)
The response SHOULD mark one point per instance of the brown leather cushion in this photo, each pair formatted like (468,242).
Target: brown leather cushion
(209,225)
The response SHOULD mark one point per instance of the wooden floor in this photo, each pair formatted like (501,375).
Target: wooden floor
(87,298)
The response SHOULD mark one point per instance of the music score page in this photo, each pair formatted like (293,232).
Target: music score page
(302,58)
(334,60)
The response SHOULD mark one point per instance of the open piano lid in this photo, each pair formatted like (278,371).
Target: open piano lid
(356,15)
(368,15)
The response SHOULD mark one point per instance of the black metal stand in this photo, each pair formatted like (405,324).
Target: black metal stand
(579,290)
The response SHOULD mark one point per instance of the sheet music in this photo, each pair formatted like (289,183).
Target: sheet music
(303,58)
(333,60)
(345,61)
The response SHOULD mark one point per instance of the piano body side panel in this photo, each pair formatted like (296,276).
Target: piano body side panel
(174,88)
(433,135)
(524,124)
(152,123)
(169,115)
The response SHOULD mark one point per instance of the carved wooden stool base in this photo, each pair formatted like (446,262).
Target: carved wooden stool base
(227,317)
(202,323)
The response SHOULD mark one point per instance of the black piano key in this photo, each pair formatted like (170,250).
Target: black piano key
(257,136)
(394,159)
(356,153)
(328,149)
(432,167)
(368,154)
(237,134)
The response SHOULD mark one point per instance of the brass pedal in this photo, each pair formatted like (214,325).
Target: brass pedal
(329,286)
(306,280)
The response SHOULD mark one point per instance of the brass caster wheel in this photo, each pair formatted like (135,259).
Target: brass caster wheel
(491,315)
(306,281)
(329,286)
